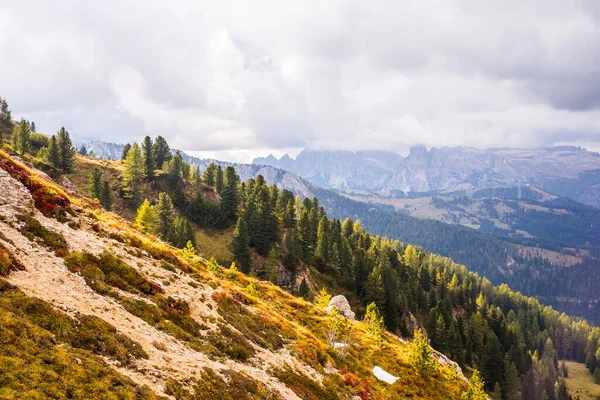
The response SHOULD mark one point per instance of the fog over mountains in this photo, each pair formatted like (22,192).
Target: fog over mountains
(566,171)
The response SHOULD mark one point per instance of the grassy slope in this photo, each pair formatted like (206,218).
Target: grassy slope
(261,311)
(580,383)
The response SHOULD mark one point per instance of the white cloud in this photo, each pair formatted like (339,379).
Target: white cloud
(239,79)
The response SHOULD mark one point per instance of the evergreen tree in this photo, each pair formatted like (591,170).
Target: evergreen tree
(66,151)
(219,179)
(305,236)
(229,195)
(106,199)
(322,250)
(83,150)
(181,233)
(196,210)
(20,139)
(208,177)
(174,170)
(5,117)
(95,183)
(52,154)
(563,394)
(241,246)
(162,152)
(374,289)
(303,290)
(512,390)
(492,360)
(164,215)
(33,127)
(148,154)
(134,173)
(125,151)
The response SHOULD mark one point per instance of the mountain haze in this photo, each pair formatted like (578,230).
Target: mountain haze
(566,171)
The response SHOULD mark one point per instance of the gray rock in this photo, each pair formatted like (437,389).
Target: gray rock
(342,305)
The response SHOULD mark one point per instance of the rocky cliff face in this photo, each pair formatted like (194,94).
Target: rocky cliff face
(567,171)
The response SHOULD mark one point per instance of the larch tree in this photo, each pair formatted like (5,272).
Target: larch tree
(20,138)
(134,173)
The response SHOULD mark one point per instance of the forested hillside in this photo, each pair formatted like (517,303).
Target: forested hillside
(514,341)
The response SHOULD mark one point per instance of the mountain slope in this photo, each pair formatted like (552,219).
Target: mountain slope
(566,171)
(178,326)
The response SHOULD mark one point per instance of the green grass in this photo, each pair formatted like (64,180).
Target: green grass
(215,243)
(580,382)
(38,359)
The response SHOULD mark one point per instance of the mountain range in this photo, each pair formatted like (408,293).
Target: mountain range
(566,171)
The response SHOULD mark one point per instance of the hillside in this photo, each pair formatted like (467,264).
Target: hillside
(100,309)
(505,253)
(514,341)
(565,171)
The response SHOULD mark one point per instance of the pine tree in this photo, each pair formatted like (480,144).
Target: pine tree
(20,139)
(164,215)
(421,356)
(374,289)
(148,154)
(512,390)
(83,150)
(241,246)
(303,290)
(106,199)
(95,183)
(33,127)
(181,233)
(563,394)
(491,360)
(5,117)
(305,236)
(134,173)
(208,177)
(229,195)
(162,152)
(322,249)
(219,179)
(125,151)
(52,154)
(174,170)
(66,151)
(196,210)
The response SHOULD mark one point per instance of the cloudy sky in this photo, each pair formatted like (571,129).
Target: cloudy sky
(237,79)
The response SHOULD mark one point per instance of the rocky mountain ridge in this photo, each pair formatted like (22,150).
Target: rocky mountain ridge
(567,171)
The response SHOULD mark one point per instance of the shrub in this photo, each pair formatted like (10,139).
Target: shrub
(108,270)
(34,229)
(421,356)
(8,262)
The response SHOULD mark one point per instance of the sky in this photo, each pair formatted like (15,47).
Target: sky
(238,79)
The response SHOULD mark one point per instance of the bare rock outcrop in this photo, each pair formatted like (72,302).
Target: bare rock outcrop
(14,197)
(341,303)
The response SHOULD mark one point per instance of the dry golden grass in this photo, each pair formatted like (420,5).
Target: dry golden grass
(580,382)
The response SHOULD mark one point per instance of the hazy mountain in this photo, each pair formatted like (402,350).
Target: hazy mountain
(566,171)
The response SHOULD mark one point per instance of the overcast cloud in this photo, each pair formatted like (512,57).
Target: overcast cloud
(236,79)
